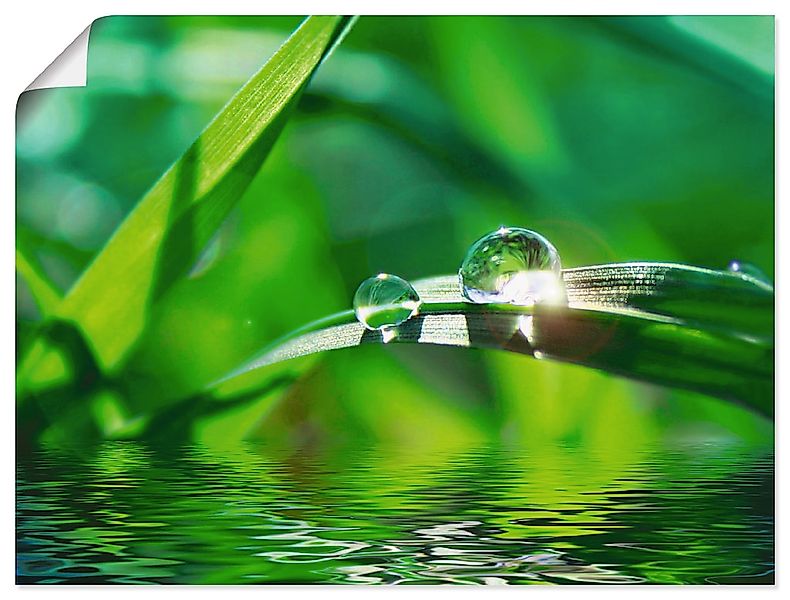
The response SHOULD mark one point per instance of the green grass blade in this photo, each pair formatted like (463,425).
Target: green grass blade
(44,292)
(165,233)
(669,324)
(660,36)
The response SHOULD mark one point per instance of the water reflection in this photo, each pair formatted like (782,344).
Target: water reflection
(125,512)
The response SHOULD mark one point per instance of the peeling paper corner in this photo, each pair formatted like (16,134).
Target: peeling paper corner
(69,69)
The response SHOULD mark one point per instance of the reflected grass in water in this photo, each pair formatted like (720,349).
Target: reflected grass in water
(126,512)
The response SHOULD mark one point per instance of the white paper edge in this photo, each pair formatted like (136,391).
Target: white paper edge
(69,69)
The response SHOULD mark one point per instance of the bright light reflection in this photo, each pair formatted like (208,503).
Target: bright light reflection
(388,334)
(525,326)
(527,288)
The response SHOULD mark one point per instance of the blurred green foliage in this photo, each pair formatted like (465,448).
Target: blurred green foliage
(640,138)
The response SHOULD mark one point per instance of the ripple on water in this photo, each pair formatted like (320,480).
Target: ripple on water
(129,513)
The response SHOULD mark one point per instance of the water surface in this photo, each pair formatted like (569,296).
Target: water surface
(127,512)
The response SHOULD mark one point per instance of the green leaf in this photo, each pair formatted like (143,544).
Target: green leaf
(163,236)
(44,292)
(675,325)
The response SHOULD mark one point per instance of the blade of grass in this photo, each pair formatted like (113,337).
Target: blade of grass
(162,237)
(425,126)
(654,322)
(659,35)
(44,292)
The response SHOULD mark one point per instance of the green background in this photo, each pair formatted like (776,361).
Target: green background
(617,138)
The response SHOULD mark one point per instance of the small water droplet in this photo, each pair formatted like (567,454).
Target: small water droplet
(512,265)
(385,301)
(748,270)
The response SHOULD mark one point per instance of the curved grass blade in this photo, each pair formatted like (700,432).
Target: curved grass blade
(163,236)
(662,37)
(426,127)
(654,322)
(44,292)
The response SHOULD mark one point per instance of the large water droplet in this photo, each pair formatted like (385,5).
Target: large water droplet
(512,265)
(385,301)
